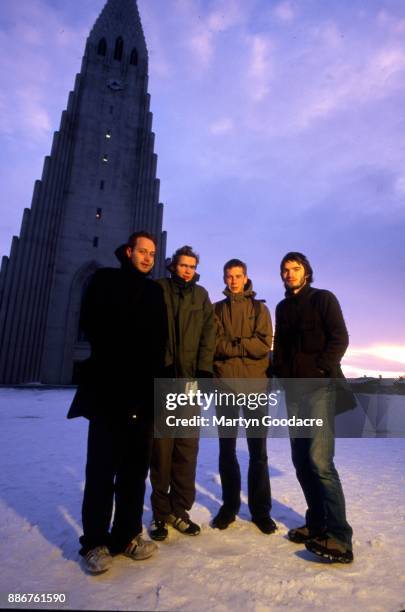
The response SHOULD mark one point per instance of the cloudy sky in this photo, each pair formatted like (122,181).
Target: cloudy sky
(279,126)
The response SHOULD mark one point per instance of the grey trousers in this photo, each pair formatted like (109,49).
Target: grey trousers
(172,475)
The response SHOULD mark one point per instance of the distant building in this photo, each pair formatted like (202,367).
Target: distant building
(98,185)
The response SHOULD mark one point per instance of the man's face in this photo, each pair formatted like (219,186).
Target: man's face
(235,279)
(142,255)
(186,267)
(294,276)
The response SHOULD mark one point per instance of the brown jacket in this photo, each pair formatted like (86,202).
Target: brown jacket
(244,336)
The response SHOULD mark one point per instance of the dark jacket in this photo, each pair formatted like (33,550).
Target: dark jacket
(124,318)
(191,339)
(311,336)
(244,336)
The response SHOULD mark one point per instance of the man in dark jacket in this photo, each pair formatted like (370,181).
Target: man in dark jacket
(311,339)
(124,318)
(244,337)
(189,354)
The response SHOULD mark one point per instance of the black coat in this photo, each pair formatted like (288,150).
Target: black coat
(124,318)
(311,336)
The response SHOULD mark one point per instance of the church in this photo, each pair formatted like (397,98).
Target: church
(98,185)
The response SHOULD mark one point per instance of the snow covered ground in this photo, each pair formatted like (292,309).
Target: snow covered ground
(41,484)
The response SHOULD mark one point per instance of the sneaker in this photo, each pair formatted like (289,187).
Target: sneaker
(98,560)
(302,534)
(139,549)
(329,548)
(184,525)
(158,530)
(265,524)
(223,519)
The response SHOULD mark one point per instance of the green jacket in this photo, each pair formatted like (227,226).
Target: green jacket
(191,342)
(244,336)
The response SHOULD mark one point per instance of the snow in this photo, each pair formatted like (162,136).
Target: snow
(41,485)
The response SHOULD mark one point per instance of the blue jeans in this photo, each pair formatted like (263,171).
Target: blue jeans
(313,461)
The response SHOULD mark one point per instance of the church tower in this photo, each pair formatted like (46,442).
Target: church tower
(98,186)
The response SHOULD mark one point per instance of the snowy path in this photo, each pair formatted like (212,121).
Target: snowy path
(42,459)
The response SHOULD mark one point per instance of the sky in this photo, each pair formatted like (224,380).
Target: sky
(279,126)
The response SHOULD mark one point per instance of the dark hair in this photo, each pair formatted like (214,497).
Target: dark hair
(299,258)
(131,242)
(184,250)
(235,263)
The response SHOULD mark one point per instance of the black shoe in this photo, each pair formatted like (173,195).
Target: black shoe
(158,530)
(300,535)
(184,525)
(223,519)
(329,548)
(265,524)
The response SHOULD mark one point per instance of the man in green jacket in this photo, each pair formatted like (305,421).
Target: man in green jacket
(189,354)
(244,336)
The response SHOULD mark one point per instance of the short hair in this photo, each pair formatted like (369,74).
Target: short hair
(299,258)
(131,242)
(185,250)
(235,263)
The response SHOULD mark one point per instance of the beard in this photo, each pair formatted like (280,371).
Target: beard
(297,286)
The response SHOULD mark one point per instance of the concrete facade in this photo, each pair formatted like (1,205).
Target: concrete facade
(98,185)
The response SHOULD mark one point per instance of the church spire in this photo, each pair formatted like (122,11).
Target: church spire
(98,186)
(119,19)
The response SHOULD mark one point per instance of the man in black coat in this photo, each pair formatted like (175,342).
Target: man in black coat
(124,318)
(310,341)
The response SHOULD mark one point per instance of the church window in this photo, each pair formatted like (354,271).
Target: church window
(105,158)
(119,48)
(99,213)
(102,47)
(101,185)
(95,241)
(134,57)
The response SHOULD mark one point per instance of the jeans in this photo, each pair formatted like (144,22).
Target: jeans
(313,461)
(259,493)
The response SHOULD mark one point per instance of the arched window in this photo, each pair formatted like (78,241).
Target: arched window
(134,57)
(102,47)
(119,48)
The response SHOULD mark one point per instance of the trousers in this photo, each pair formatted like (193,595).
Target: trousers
(259,492)
(172,476)
(118,458)
(315,469)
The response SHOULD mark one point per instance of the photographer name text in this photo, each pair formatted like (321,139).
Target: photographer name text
(222,421)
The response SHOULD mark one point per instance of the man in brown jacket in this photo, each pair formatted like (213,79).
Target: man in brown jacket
(244,336)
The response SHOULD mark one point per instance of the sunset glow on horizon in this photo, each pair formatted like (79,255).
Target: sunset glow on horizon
(279,126)
(385,360)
